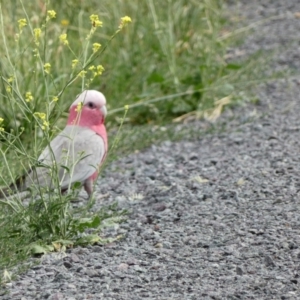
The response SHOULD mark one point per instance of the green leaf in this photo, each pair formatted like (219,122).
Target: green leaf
(76,185)
(233,66)
(111,222)
(41,249)
(66,168)
(155,78)
(89,239)
(61,245)
(92,222)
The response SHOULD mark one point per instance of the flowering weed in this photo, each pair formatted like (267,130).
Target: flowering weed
(41,62)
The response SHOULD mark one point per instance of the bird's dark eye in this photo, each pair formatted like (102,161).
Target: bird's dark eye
(90,104)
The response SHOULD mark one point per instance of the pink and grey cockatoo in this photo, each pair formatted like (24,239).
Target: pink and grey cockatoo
(76,153)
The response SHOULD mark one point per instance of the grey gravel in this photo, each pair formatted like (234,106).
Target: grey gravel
(213,218)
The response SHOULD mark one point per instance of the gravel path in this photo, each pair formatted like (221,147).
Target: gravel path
(216,218)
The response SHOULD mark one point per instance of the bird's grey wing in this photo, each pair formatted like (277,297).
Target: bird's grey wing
(48,162)
(74,155)
(86,154)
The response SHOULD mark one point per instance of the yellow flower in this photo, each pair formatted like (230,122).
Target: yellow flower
(63,39)
(94,18)
(22,23)
(96,47)
(100,70)
(126,107)
(51,14)
(45,125)
(37,34)
(95,21)
(10,79)
(74,63)
(28,97)
(124,22)
(1,120)
(79,107)
(55,99)
(82,73)
(47,68)
(64,22)
(40,115)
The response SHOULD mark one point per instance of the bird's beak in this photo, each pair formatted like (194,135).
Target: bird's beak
(103,110)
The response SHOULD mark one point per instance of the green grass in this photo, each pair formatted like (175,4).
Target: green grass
(171,47)
(169,62)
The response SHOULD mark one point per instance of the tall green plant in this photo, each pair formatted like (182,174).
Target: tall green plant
(32,105)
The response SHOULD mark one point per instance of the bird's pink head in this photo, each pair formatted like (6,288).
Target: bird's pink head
(89,109)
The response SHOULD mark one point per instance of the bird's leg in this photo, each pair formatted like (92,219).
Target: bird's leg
(88,186)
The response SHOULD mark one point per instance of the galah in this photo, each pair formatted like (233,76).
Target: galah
(77,152)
